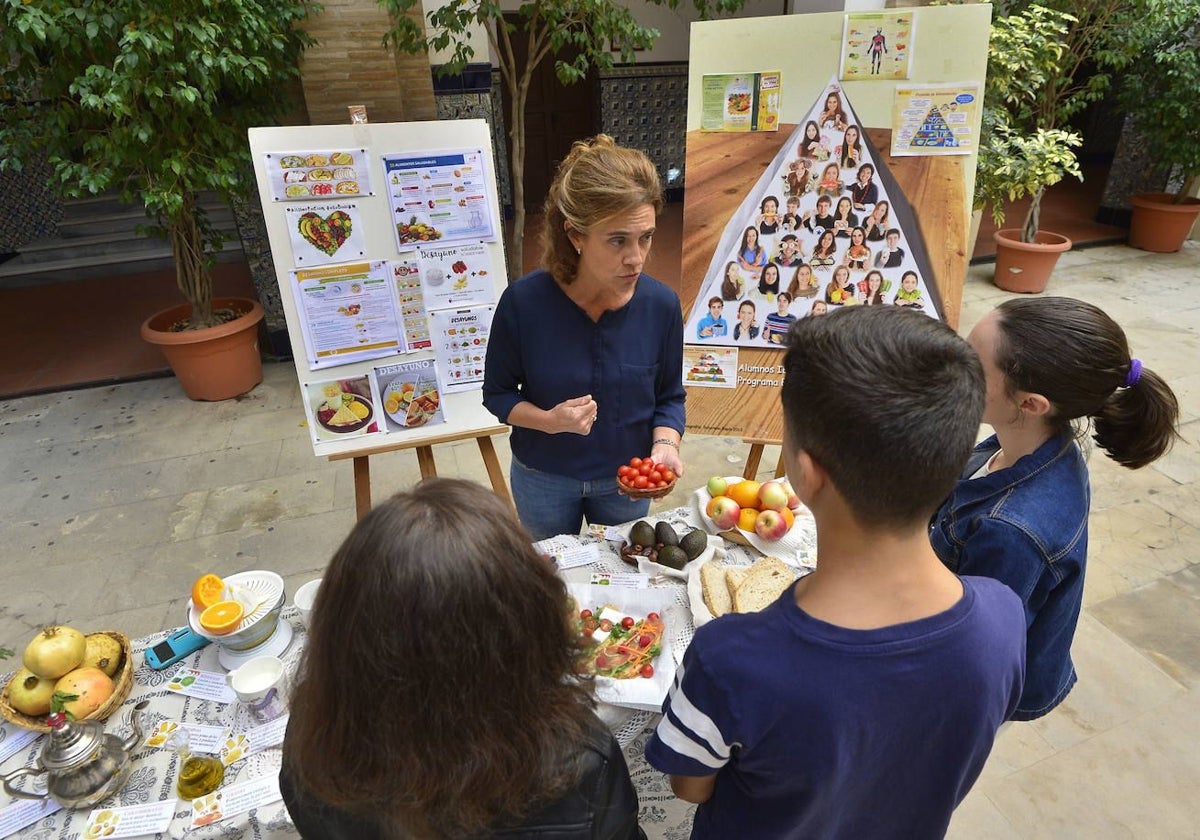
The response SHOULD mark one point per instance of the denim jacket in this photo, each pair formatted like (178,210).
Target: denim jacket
(1026,526)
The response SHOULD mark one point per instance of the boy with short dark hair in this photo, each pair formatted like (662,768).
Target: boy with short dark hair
(865,700)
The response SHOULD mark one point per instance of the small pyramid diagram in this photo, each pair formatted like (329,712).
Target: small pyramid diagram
(825,226)
(934,132)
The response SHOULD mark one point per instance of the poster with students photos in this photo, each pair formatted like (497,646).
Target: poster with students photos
(325,173)
(818,225)
(326,233)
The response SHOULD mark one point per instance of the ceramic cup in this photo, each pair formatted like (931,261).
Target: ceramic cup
(304,598)
(259,685)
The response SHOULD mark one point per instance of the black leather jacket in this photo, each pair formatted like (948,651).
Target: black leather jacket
(601,806)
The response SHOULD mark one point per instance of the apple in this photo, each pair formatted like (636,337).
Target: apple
(770,525)
(724,512)
(717,486)
(772,496)
(793,499)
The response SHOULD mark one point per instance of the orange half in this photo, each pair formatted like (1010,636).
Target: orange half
(206,591)
(221,618)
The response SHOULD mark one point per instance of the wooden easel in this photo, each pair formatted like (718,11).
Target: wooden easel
(483,437)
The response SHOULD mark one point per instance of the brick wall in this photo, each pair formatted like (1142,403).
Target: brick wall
(349,66)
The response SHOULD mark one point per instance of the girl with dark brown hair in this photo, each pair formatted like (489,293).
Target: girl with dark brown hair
(1054,367)
(438,695)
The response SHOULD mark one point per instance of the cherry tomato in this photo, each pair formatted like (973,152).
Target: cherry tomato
(647,671)
(644,640)
(589,624)
(635,462)
(655,475)
(605,625)
(585,633)
(585,613)
(645,468)
(641,482)
(601,662)
(627,622)
(668,475)
(652,617)
(622,471)
(659,484)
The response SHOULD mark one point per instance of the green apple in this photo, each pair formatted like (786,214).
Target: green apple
(717,486)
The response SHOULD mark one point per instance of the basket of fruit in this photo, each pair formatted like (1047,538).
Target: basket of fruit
(659,549)
(644,478)
(88,677)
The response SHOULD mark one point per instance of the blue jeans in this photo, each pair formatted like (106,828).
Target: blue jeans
(550,504)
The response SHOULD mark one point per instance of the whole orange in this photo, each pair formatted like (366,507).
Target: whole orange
(788,517)
(745,493)
(746,519)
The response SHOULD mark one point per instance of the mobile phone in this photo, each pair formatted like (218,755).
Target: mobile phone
(173,648)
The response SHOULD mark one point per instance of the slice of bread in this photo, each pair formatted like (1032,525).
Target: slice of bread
(717,596)
(734,575)
(763,584)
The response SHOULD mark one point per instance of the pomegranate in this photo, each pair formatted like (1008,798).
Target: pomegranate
(90,686)
(30,694)
(103,652)
(55,651)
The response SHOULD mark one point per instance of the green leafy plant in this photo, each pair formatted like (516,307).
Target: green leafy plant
(1162,88)
(1018,155)
(590,26)
(151,98)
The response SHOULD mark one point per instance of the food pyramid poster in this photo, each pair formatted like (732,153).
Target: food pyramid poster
(825,226)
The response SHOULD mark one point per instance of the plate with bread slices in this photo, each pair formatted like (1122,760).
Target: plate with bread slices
(716,588)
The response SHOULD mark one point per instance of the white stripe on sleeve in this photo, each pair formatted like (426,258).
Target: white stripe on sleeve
(674,739)
(699,723)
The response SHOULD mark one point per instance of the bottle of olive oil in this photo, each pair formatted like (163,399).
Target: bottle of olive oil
(198,774)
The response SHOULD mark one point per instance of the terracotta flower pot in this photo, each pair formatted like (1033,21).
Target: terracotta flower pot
(216,363)
(1159,224)
(1026,266)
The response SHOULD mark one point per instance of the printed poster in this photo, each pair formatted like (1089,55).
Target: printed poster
(347,313)
(339,409)
(935,119)
(710,367)
(457,276)
(410,395)
(303,176)
(820,229)
(439,197)
(326,233)
(741,101)
(877,45)
(460,339)
(410,297)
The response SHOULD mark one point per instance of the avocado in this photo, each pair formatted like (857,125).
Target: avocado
(641,533)
(665,534)
(694,543)
(672,556)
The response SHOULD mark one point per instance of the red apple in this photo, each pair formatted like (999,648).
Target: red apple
(793,499)
(717,486)
(770,525)
(724,512)
(772,496)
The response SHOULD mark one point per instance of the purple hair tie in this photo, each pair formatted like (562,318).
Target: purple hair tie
(1135,373)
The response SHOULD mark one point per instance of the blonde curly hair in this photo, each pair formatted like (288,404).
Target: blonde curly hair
(597,180)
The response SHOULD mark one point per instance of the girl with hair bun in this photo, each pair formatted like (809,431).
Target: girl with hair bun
(1055,367)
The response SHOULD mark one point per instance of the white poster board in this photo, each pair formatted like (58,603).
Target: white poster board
(373,231)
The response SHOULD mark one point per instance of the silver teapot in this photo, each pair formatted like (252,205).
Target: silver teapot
(83,765)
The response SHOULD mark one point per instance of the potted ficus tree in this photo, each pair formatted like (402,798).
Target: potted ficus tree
(1162,94)
(153,100)
(1018,156)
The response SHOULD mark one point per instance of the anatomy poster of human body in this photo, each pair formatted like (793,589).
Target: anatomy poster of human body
(877,45)
(821,224)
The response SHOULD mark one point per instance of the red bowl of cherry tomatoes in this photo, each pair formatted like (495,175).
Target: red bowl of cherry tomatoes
(644,478)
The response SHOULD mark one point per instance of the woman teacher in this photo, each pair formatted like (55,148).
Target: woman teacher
(585,355)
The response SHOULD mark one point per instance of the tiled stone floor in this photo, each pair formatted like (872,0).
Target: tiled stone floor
(116,498)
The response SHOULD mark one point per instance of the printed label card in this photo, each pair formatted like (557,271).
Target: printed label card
(24,813)
(326,233)
(710,367)
(130,821)
(568,552)
(410,296)
(201,738)
(233,800)
(14,739)
(203,685)
(626,580)
(238,746)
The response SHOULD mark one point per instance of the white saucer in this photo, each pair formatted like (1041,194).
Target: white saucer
(275,645)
